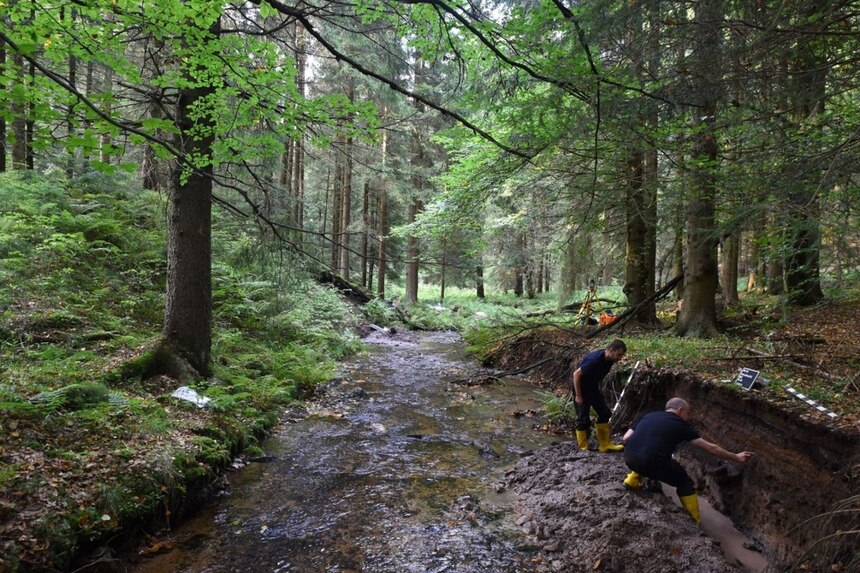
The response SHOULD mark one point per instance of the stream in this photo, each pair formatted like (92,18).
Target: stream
(396,471)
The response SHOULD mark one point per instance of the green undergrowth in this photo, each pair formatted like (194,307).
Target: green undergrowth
(461,310)
(558,410)
(91,442)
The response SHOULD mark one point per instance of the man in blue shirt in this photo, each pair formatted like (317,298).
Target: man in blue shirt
(649,445)
(586,386)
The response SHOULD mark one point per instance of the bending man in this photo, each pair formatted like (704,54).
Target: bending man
(649,445)
(586,386)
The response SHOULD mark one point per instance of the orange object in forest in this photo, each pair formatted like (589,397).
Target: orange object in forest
(606,318)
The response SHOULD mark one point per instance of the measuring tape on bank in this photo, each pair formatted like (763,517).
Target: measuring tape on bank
(811,402)
(623,390)
(748,377)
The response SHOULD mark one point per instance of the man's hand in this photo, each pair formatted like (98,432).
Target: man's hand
(743,456)
(578,400)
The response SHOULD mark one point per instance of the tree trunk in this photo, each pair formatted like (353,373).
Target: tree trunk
(372,246)
(479,281)
(324,214)
(774,272)
(3,87)
(678,254)
(802,264)
(70,114)
(89,83)
(775,277)
(346,211)
(383,220)
(641,183)
(539,275)
(383,216)
(567,274)
(650,182)
(149,167)
(412,254)
(365,232)
(640,245)
(30,128)
(698,314)
(519,265)
(298,171)
(442,274)
(285,176)
(105,139)
(754,265)
(188,309)
(19,120)
(337,205)
(530,283)
(346,198)
(729,268)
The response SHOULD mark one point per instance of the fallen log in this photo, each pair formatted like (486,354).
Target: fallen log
(758,354)
(352,291)
(571,307)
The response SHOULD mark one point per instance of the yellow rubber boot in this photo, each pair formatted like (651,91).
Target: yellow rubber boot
(582,439)
(633,481)
(604,444)
(691,504)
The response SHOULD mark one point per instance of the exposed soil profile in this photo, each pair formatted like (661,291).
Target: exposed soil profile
(797,499)
(802,469)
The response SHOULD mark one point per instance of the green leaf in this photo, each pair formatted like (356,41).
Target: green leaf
(266,9)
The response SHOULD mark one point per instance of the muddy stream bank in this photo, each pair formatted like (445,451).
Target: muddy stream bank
(397,469)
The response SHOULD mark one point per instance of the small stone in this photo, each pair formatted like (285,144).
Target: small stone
(552,545)
(547,532)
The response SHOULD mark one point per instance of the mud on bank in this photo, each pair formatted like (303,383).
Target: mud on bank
(797,499)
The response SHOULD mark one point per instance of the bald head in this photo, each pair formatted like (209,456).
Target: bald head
(676,404)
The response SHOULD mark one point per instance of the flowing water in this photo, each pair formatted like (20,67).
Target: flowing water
(400,476)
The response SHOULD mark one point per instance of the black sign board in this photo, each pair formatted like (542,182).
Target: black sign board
(747,378)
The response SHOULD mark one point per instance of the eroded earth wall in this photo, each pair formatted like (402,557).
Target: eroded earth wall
(804,465)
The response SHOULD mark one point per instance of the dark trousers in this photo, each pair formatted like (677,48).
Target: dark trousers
(593,399)
(665,470)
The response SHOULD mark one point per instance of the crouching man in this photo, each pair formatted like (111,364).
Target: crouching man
(650,442)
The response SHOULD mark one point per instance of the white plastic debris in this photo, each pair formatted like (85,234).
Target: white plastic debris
(190,395)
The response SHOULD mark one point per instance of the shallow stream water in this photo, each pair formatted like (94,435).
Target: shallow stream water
(400,476)
(396,470)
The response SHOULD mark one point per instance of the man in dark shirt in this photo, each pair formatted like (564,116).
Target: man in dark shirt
(649,445)
(586,386)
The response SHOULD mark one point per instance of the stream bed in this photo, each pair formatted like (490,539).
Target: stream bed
(397,469)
